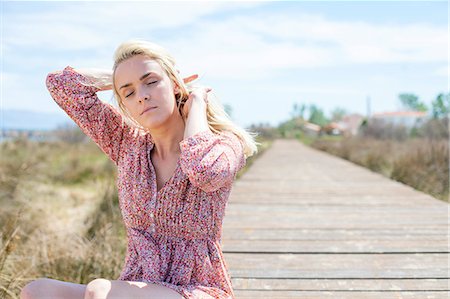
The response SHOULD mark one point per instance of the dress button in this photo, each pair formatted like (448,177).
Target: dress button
(151,215)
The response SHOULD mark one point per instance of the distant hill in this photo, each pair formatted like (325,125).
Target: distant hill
(19,119)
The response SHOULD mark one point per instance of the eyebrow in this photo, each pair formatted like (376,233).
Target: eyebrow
(141,78)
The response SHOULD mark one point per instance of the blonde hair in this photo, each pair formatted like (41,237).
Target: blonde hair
(218,119)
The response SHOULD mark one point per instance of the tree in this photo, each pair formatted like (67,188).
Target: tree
(441,106)
(337,114)
(316,116)
(298,110)
(411,102)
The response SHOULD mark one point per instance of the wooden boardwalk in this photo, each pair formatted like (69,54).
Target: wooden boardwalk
(303,224)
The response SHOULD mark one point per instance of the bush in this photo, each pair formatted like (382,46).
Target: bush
(434,129)
(425,167)
(420,163)
(379,129)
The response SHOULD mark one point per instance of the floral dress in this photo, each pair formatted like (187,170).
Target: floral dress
(174,234)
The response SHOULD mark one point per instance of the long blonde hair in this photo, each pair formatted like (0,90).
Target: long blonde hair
(218,119)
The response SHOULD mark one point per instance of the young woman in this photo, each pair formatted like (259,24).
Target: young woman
(177,154)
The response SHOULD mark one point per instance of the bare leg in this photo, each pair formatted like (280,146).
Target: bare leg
(117,289)
(45,288)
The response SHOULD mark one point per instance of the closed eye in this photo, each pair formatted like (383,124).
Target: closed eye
(129,94)
(151,82)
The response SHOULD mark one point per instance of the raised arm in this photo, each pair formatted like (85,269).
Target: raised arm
(211,161)
(74,92)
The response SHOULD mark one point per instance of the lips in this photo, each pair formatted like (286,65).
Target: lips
(147,109)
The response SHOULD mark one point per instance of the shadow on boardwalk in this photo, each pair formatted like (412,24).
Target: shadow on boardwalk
(304,224)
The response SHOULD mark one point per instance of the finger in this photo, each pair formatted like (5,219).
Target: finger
(190,78)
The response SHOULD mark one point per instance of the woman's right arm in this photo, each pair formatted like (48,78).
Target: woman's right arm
(75,92)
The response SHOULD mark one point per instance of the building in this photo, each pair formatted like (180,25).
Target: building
(348,125)
(407,119)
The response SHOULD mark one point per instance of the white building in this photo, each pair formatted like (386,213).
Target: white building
(408,119)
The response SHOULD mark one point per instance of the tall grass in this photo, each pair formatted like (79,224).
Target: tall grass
(60,215)
(421,163)
(426,168)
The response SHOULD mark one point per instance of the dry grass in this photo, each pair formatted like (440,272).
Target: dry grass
(421,163)
(60,217)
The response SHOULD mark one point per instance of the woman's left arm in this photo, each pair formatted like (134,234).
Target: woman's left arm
(211,161)
(195,112)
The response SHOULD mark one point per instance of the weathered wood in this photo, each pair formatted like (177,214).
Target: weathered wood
(278,265)
(244,294)
(244,233)
(301,223)
(341,284)
(390,245)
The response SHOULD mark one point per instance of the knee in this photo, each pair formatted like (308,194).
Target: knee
(97,289)
(35,289)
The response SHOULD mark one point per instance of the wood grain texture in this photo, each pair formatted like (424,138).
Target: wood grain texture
(301,223)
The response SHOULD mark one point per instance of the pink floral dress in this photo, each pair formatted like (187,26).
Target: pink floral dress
(174,234)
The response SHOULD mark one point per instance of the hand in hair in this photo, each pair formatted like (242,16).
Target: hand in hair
(198,97)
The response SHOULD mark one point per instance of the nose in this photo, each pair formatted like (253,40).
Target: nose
(143,96)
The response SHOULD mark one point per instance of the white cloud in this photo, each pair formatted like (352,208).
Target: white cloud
(244,46)
(204,38)
(89,25)
(254,45)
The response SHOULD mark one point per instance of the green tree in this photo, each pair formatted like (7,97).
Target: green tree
(338,113)
(316,116)
(298,110)
(411,102)
(441,106)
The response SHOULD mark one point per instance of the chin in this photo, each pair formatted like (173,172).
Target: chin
(154,123)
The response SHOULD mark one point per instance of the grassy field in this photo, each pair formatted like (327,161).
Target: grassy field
(418,162)
(60,217)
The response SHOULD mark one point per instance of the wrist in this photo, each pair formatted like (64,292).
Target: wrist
(100,78)
(197,101)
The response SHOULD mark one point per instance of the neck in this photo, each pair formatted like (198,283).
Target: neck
(167,138)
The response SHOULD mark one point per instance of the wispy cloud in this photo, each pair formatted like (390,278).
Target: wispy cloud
(240,45)
(242,41)
(253,45)
(90,25)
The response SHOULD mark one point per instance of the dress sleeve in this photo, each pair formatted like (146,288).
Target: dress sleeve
(210,160)
(98,120)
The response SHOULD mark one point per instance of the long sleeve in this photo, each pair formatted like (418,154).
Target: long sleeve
(98,120)
(211,161)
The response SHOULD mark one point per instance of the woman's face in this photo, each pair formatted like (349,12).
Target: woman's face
(142,84)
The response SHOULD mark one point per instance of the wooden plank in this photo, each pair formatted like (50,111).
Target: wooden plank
(304,224)
(310,222)
(262,209)
(407,233)
(341,284)
(279,265)
(428,244)
(257,294)
(308,200)
(318,201)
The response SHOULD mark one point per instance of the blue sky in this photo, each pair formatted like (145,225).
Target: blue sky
(260,57)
